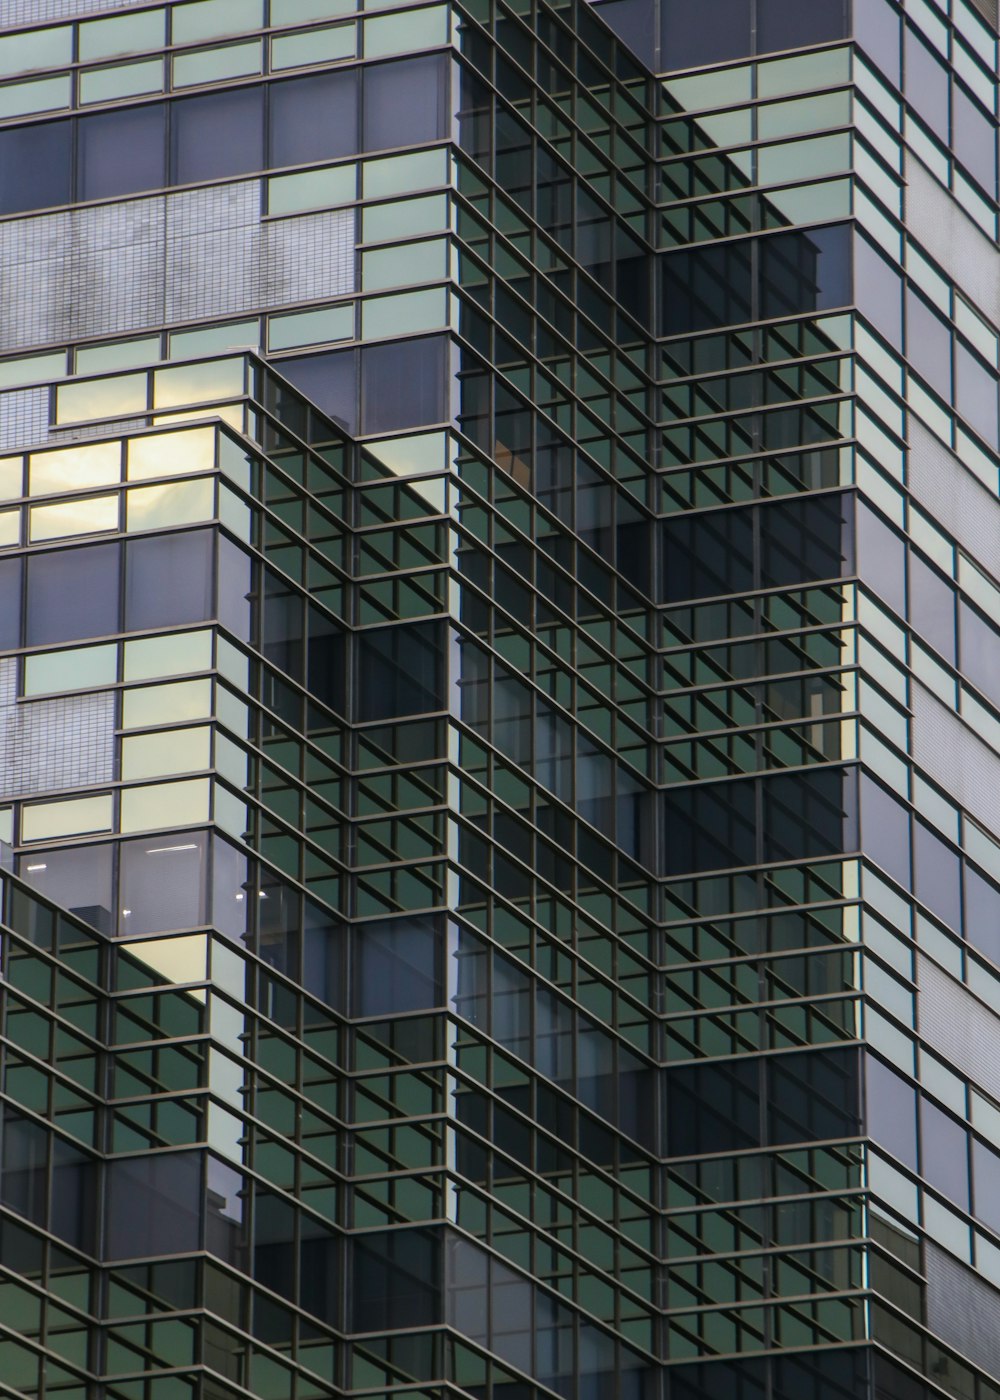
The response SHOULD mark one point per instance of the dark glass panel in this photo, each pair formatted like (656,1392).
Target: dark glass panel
(790,24)
(944,1153)
(400,670)
(405,102)
(168,580)
(314,118)
(809,814)
(803,539)
(932,607)
(891,1111)
(319,1270)
(274,1243)
(282,625)
(397,966)
(23,1178)
(825,1375)
(35,165)
(808,271)
(707,554)
(711,32)
(326,660)
(217,135)
(706,287)
(397,1275)
(713,1107)
(73,1214)
(813,1095)
(709,828)
(121,152)
(153,1205)
(72,593)
(404,384)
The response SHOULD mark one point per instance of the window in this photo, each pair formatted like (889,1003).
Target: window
(121,152)
(34,166)
(314,118)
(72,594)
(217,135)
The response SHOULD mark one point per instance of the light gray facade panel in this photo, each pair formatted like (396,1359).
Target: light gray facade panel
(953,756)
(128,267)
(308,257)
(953,497)
(958,1026)
(969,258)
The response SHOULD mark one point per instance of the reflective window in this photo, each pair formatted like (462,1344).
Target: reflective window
(162,884)
(121,152)
(34,166)
(314,118)
(78,877)
(168,580)
(72,593)
(405,103)
(217,135)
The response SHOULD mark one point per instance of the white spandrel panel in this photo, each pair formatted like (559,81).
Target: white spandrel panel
(133,266)
(24,418)
(213,251)
(49,746)
(15,12)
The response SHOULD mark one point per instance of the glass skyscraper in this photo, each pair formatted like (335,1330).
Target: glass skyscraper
(499,700)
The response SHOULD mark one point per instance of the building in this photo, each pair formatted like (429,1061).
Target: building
(499,700)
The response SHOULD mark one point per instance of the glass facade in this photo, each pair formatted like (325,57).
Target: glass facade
(499,700)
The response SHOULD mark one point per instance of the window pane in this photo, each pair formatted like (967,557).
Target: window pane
(72,593)
(34,166)
(121,152)
(154,1205)
(314,118)
(168,580)
(405,103)
(396,967)
(78,878)
(790,24)
(162,884)
(217,135)
(400,670)
(404,385)
(85,516)
(711,32)
(171,454)
(10,603)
